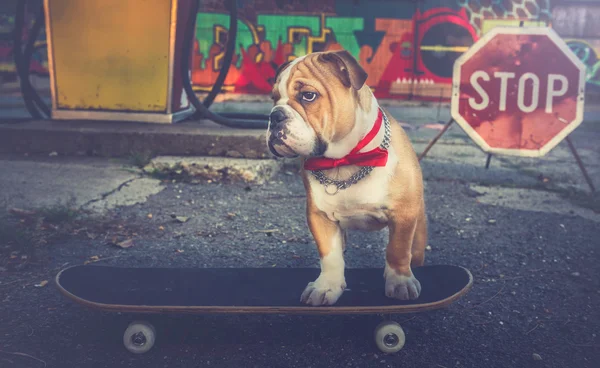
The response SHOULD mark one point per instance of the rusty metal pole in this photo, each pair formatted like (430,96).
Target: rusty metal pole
(580,163)
(436,139)
(487,162)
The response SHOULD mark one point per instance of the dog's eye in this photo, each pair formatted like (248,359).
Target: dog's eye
(309,96)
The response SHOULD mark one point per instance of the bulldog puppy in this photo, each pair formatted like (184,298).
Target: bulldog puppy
(359,169)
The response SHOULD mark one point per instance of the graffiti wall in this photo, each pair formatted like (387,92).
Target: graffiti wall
(408,47)
(583,36)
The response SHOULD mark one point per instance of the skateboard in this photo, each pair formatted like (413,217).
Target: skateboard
(251,291)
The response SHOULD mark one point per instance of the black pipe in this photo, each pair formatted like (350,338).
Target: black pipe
(29,47)
(22,68)
(228,58)
(202,111)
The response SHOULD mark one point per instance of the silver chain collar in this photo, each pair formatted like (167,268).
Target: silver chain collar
(361,173)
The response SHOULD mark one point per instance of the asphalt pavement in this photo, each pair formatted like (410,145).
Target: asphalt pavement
(535,293)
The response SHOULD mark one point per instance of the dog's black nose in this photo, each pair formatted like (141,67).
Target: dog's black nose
(277,116)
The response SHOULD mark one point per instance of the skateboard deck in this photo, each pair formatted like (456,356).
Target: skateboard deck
(250,290)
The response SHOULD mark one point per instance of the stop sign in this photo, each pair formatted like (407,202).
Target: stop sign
(518,91)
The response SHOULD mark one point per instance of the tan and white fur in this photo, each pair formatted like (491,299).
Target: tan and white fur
(323,108)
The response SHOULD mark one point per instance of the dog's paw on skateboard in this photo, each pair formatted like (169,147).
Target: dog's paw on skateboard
(323,291)
(402,287)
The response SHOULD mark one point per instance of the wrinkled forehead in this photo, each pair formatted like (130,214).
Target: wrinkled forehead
(284,78)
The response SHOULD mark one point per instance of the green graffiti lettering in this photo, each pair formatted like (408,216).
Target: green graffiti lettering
(205,34)
(279,27)
(343,29)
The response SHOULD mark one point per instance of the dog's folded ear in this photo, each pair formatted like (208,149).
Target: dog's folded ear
(279,69)
(346,67)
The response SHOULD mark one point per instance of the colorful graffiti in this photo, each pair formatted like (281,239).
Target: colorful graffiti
(483,13)
(396,67)
(407,47)
(589,53)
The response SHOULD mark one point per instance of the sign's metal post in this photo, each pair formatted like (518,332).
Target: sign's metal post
(487,162)
(580,164)
(435,139)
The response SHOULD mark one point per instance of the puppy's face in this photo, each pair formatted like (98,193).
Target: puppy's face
(316,99)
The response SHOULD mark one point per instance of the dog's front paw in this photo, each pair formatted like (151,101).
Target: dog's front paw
(325,290)
(399,286)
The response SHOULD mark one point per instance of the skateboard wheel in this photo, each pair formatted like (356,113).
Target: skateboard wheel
(389,337)
(139,337)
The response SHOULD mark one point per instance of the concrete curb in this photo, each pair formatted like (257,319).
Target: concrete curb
(118,139)
(215,169)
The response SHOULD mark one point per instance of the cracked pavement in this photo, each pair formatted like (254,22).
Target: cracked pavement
(92,184)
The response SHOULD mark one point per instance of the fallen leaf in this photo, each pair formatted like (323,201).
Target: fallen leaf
(231,215)
(21,212)
(491,221)
(434,126)
(182,219)
(125,244)
(42,284)
(92,259)
(179,251)
(161,228)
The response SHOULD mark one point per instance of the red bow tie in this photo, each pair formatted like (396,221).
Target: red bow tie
(374,157)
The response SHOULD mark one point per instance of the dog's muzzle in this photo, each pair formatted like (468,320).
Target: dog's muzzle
(278,133)
(277,117)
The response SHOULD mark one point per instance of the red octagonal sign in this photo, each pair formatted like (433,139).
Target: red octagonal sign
(518,91)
